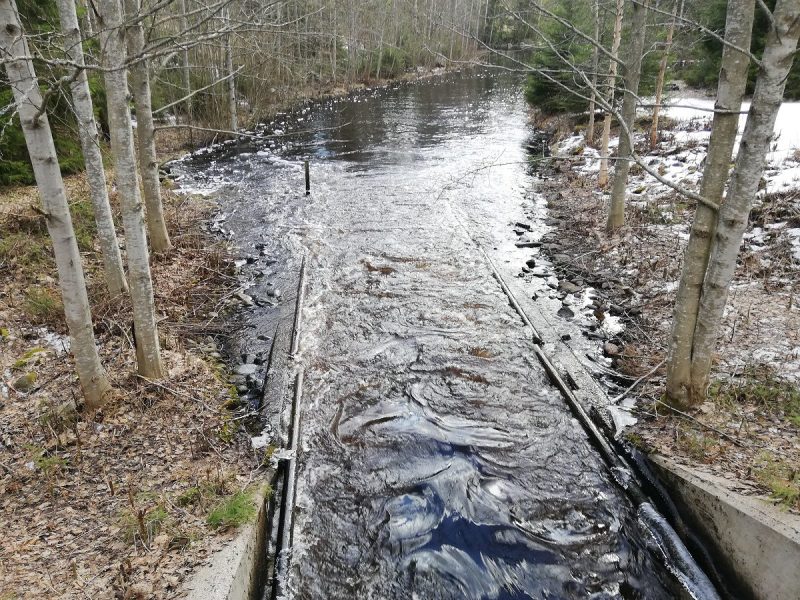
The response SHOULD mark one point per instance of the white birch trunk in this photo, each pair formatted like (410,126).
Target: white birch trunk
(595,63)
(88,26)
(776,62)
(662,72)
(187,73)
(602,177)
(232,108)
(148,353)
(633,71)
(145,131)
(730,91)
(90,145)
(41,149)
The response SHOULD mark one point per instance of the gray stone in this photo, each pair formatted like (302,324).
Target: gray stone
(246,369)
(566,313)
(569,287)
(244,298)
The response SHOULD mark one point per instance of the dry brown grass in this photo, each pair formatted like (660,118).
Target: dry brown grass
(70,482)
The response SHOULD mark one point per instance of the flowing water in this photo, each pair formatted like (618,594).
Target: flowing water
(436,460)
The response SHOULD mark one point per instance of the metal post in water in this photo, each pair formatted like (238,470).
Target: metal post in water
(308,177)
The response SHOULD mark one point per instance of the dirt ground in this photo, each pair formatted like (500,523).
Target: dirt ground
(124,502)
(748,430)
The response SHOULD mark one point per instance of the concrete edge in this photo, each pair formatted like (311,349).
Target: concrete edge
(756,544)
(566,361)
(235,572)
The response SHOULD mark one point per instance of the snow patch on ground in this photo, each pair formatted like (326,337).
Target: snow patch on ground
(679,159)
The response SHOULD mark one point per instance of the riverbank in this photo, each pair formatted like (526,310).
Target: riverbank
(748,432)
(124,502)
(173,142)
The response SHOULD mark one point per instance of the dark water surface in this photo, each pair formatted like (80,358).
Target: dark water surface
(436,460)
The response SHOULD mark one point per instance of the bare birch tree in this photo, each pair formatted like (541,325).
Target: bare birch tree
(90,145)
(148,353)
(602,177)
(595,66)
(186,71)
(662,72)
(39,140)
(633,70)
(776,61)
(145,130)
(232,103)
(730,91)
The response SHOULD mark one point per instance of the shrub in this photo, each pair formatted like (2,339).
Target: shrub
(43,306)
(233,511)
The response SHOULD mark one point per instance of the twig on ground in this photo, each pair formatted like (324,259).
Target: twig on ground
(705,425)
(176,393)
(617,399)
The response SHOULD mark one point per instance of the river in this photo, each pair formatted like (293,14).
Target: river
(435,458)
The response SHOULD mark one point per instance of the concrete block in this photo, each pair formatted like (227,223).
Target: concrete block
(235,572)
(759,542)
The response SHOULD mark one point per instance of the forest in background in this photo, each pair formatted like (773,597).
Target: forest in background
(276,52)
(695,53)
(286,50)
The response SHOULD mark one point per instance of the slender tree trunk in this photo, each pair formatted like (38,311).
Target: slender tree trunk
(90,145)
(602,178)
(335,42)
(662,71)
(595,63)
(41,149)
(234,117)
(187,72)
(380,51)
(776,61)
(148,352)
(145,131)
(730,90)
(633,71)
(88,27)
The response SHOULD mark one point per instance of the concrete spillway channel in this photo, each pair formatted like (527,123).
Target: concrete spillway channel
(281,509)
(256,565)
